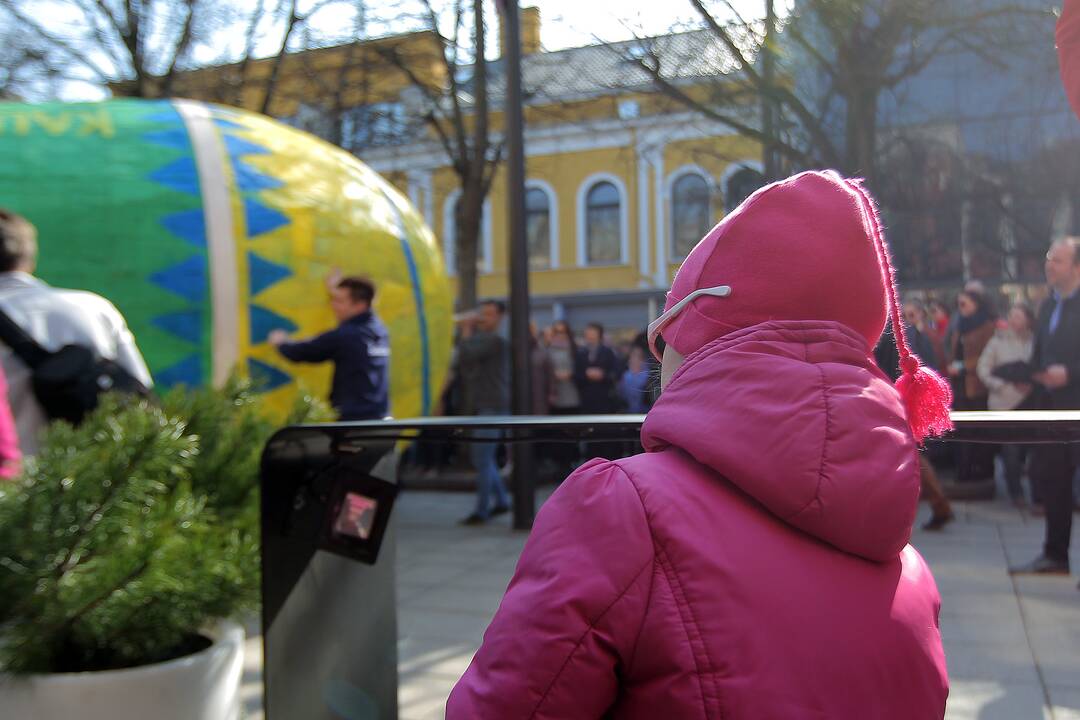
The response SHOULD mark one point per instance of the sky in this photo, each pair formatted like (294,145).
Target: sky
(564,23)
(571,23)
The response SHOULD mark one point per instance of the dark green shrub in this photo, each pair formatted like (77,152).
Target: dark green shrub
(127,535)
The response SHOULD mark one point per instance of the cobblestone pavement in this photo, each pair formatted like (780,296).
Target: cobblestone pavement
(1013,645)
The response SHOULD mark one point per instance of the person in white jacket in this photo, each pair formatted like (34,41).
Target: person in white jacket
(54,318)
(1009,345)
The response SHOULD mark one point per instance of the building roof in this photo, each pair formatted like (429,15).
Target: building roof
(592,70)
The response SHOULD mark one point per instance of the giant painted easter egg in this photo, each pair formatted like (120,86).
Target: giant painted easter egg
(208,227)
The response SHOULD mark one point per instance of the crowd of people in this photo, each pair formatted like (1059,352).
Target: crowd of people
(571,374)
(988,357)
(985,354)
(584,375)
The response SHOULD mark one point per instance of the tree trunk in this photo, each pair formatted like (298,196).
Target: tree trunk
(275,68)
(861,134)
(468,221)
(471,172)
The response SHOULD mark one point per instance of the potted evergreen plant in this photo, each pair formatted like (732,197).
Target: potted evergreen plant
(128,548)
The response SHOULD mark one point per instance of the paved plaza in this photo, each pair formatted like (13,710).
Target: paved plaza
(1013,645)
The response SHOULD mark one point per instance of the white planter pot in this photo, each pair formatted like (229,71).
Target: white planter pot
(202,686)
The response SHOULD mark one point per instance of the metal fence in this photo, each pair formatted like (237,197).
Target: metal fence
(329,615)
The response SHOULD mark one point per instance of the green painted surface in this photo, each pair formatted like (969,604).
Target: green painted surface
(80,173)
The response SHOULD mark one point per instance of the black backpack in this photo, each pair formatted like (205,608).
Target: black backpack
(67,382)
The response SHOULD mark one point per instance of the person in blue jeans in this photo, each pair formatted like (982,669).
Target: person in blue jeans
(488,480)
(481,364)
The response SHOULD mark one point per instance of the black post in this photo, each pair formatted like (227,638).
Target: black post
(524,472)
(768,101)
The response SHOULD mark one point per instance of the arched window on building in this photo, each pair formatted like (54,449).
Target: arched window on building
(603,224)
(538,228)
(740,186)
(690,213)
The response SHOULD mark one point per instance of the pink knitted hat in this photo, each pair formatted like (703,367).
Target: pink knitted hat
(806,248)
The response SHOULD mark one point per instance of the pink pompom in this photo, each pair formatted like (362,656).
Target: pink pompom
(927,399)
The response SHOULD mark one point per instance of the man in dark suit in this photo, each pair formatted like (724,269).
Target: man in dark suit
(1057,356)
(596,373)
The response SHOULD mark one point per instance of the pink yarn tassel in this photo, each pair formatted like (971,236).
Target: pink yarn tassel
(927,399)
(927,396)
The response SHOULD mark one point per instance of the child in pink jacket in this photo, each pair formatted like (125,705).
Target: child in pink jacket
(753,563)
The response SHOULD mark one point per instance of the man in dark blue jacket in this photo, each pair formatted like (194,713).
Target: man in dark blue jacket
(359,347)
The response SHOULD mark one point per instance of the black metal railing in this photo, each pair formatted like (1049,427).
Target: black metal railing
(1025,427)
(323,605)
(1019,427)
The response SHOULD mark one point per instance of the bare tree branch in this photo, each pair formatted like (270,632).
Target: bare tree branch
(453,154)
(54,41)
(480,91)
(249,50)
(451,140)
(181,48)
(275,66)
(451,66)
(712,113)
(811,49)
(746,66)
(810,122)
(493,166)
(458,115)
(858,49)
(131,35)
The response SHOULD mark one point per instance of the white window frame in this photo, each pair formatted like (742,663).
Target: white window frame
(730,171)
(553,219)
(624,219)
(669,199)
(450,228)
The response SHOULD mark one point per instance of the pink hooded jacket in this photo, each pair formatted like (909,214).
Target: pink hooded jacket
(753,563)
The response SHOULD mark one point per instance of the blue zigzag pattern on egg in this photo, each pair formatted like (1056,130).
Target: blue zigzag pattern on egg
(187,372)
(175,138)
(161,112)
(263,273)
(235,146)
(264,321)
(248,179)
(260,219)
(267,376)
(180,175)
(185,324)
(188,225)
(188,278)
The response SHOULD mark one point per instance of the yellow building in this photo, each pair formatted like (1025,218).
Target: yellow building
(621,181)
